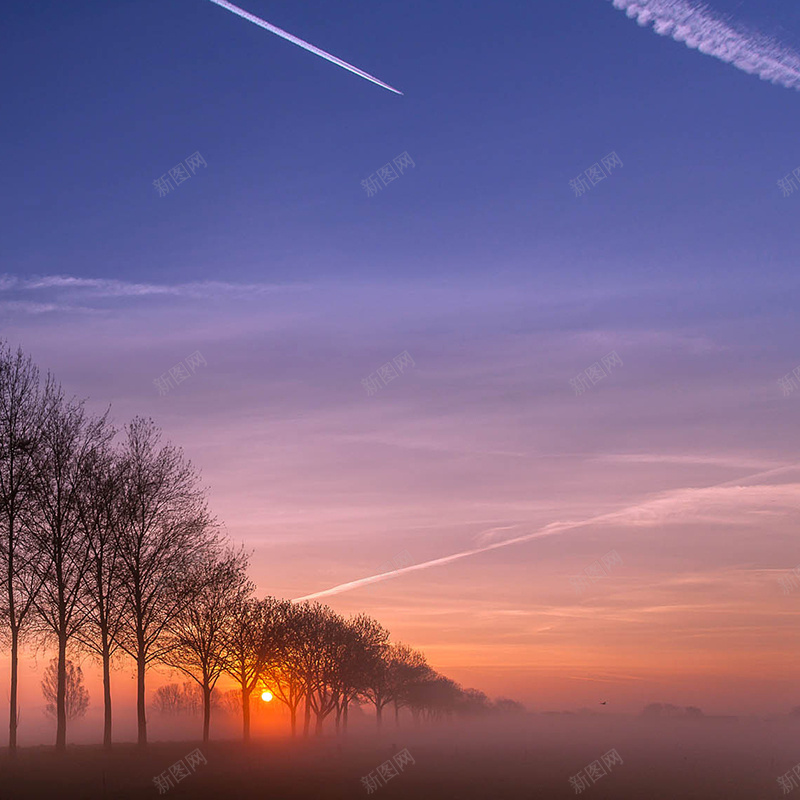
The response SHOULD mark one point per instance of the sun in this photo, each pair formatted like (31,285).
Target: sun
(266,696)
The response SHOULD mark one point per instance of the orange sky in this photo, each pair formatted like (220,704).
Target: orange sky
(678,461)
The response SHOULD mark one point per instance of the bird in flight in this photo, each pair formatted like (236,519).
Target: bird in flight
(603,703)
(305,45)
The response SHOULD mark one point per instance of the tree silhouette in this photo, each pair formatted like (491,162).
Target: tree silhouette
(195,639)
(76,696)
(165,529)
(254,641)
(99,508)
(21,411)
(113,549)
(70,440)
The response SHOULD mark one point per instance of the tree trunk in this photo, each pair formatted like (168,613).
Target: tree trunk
(61,695)
(293,712)
(338,717)
(379,714)
(307,717)
(344,715)
(206,711)
(12,721)
(396,714)
(140,715)
(106,692)
(318,725)
(246,713)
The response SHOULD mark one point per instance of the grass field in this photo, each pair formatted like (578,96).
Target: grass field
(533,758)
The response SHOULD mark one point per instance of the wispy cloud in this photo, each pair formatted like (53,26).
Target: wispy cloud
(111,288)
(665,507)
(700,28)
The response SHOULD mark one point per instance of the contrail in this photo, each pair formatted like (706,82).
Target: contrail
(698,27)
(305,45)
(548,530)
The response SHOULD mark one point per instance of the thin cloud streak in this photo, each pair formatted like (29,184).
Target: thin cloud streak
(300,43)
(102,287)
(551,529)
(700,29)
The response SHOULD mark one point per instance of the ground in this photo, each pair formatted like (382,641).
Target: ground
(533,757)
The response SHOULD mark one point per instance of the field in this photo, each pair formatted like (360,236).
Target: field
(529,758)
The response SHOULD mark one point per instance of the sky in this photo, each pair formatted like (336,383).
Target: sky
(485,266)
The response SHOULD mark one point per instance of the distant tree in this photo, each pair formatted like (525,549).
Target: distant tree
(367,665)
(406,667)
(175,699)
(285,675)
(670,710)
(253,640)
(76,696)
(473,702)
(195,638)
(231,701)
(320,663)
(505,706)
(434,697)
(795,712)
(378,688)
(168,700)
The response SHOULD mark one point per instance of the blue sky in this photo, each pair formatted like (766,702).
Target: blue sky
(274,263)
(500,111)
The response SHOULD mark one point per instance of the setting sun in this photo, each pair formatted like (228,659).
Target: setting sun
(266,696)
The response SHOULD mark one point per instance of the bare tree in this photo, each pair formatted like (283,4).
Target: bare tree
(365,646)
(285,675)
(322,677)
(165,528)
(315,661)
(255,638)
(377,679)
(174,699)
(195,636)
(21,407)
(406,668)
(99,510)
(76,695)
(70,440)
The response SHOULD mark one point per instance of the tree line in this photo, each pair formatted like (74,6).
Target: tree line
(107,547)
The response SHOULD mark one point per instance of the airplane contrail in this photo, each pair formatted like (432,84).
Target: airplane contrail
(305,45)
(698,27)
(548,530)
